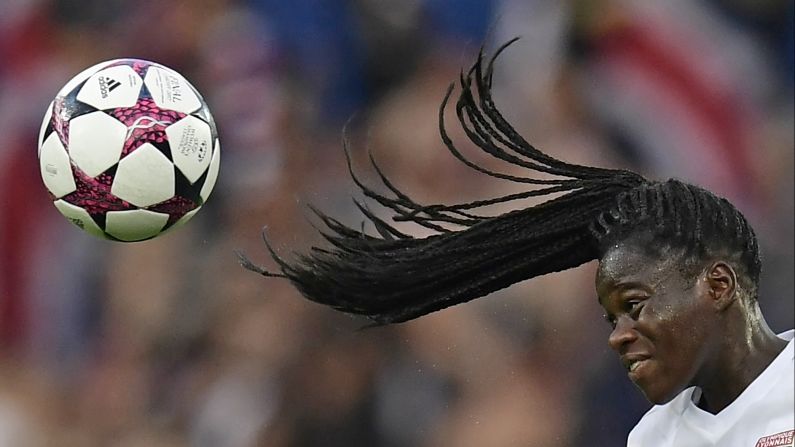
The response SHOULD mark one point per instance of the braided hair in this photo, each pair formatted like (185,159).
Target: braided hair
(394,277)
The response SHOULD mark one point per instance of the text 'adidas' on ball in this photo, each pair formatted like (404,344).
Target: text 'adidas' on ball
(128,149)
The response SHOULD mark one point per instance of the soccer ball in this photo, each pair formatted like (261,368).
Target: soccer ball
(128,149)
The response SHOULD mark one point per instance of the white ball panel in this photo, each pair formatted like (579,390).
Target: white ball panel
(134,225)
(112,87)
(212,173)
(144,178)
(191,144)
(95,142)
(82,76)
(44,123)
(170,90)
(55,167)
(79,217)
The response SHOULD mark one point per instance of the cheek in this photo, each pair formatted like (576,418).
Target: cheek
(678,332)
(682,318)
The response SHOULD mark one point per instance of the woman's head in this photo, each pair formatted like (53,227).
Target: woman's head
(673,258)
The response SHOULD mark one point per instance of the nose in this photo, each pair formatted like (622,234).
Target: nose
(623,334)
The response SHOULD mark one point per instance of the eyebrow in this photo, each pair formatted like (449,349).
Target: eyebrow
(629,285)
(622,287)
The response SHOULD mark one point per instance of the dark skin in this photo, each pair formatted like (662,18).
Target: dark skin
(673,332)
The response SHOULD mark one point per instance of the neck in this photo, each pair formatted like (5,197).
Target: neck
(740,359)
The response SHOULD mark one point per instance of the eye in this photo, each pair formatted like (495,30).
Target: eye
(634,306)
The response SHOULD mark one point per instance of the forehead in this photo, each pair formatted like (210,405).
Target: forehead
(629,262)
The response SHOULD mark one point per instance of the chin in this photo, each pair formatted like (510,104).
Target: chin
(659,393)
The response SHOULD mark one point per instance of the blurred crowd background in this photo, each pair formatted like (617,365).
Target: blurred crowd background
(170,342)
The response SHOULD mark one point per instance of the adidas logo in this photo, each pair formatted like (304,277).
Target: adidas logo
(107,85)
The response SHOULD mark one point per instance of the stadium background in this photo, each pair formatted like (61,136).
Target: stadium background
(170,342)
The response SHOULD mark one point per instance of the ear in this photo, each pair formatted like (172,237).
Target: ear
(722,284)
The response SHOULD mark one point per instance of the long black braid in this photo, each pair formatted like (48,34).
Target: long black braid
(394,277)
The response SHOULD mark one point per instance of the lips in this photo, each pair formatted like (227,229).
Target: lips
(632,362)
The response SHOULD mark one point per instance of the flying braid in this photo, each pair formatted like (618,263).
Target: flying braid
(394,277)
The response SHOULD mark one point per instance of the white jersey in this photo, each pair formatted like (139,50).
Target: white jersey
(763,415)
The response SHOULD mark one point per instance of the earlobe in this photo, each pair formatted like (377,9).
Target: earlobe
(722,282)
